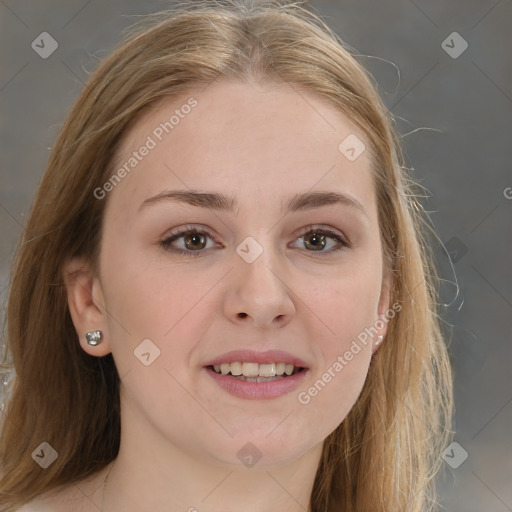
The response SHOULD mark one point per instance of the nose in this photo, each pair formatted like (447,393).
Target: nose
(258,293)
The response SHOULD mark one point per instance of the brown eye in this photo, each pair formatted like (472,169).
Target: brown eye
(188,241)
(194,241)
(315,241)
(322,241)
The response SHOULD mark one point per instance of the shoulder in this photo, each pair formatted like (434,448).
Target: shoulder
(63,502)
(53,504)
(35,506)
(79,497)
(82,496)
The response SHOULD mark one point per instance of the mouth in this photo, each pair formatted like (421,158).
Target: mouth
(254,372)
(256,375)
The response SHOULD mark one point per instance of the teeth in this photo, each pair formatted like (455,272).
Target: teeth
(250,369)
(236,368)
(267,370)
(254,370)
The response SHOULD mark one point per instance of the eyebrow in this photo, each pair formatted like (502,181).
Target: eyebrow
(221,202)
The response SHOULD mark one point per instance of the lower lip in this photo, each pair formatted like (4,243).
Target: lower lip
(257,390)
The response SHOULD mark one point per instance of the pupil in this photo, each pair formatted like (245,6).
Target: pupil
(192,240)
(315,241)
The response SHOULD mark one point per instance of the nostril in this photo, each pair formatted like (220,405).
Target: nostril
(242,315)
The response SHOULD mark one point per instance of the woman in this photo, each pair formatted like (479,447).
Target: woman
(223,299)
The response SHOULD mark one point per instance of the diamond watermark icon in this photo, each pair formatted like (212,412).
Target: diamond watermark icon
(454,45)
(146,352)
(45,455)
(249,250)
(454,455)
(249,455)
(44,45)
(351,147)
(456,249)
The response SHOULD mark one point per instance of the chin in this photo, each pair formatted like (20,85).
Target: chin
(252,448)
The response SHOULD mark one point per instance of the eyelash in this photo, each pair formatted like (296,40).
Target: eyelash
(185,230)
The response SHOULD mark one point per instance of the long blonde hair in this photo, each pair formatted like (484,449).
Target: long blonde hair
(385,454)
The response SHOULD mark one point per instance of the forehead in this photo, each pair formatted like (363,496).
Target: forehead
(255,141)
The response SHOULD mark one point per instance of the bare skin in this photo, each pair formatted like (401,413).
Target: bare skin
(182,434)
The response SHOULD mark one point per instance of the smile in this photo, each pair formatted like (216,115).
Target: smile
(256,375)
(255,372)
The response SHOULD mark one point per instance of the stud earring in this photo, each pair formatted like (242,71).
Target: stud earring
(94,337)
(379,340)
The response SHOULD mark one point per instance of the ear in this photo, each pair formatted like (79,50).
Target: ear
(86,305)
(383,312)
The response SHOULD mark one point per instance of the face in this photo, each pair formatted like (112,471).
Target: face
(279,260)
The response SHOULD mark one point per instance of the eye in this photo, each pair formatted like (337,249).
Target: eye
(187,240)
(318,239)
(192,241)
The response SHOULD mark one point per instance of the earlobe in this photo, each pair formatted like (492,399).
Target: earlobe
(86,307)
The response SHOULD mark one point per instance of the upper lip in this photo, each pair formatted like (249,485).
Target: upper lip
(251,356)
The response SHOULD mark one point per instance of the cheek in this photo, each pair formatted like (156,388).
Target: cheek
(345,312)
(169,307)
(153,301)
(342,304)
(332,392)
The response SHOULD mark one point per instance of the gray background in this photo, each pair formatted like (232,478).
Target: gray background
(455,118)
